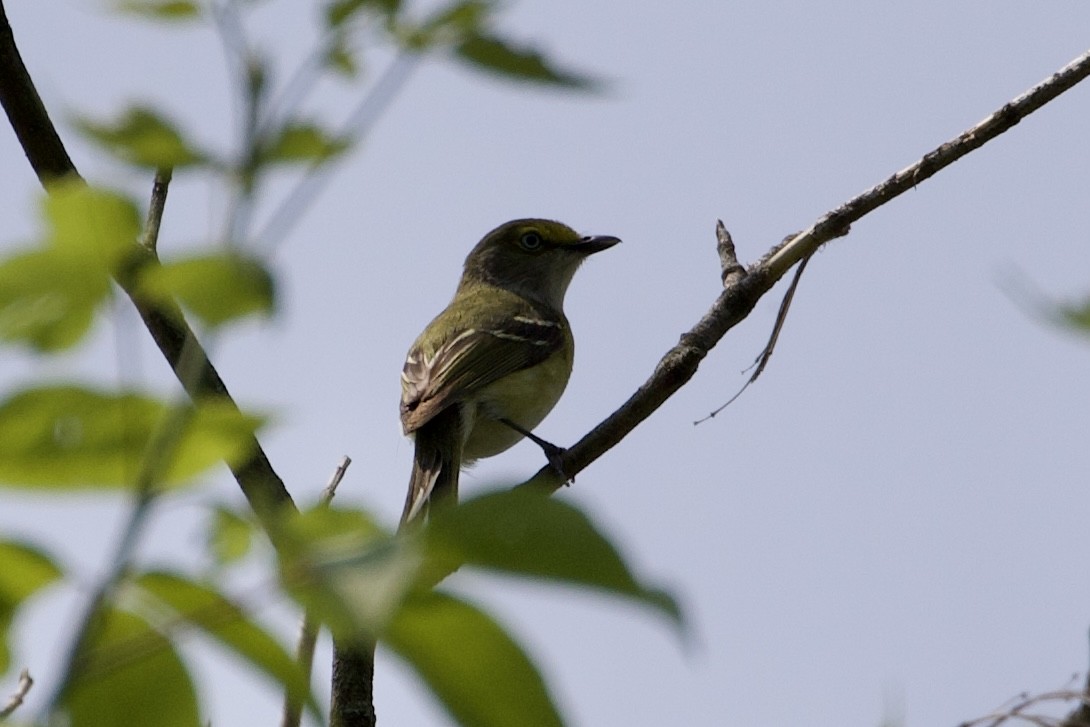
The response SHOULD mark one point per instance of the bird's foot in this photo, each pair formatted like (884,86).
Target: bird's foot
(553,453)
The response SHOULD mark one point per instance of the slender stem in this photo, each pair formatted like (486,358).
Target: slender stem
(308,632)
(150,239)
(317,176)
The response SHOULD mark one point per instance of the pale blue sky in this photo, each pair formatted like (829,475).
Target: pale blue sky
(891,522)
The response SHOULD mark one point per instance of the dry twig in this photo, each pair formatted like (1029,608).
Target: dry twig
(16,699)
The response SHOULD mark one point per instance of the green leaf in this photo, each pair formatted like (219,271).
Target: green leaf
(143,137)
(495,55)
(470,663)
(73,437)
(97,225)
(217,287)
(204,608)
(1074,315)
(341,59)
(339,12)
(300,142)
(230,536)
(25,571)
(160,9)
(527,533)
(448,25)
(217,432)
(346,570)
(48,298)
(49,294)
(129,675)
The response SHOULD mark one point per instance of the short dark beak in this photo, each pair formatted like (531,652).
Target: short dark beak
(589,245)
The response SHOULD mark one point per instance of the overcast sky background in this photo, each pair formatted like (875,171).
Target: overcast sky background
(890,524)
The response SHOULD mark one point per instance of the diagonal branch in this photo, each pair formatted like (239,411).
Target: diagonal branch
(738,299)
(47,156)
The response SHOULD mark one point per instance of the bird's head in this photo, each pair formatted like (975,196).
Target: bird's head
(531,257)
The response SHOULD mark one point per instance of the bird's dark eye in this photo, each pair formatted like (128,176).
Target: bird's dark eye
(530,241)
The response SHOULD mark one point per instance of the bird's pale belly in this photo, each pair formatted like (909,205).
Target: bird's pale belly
(507,399)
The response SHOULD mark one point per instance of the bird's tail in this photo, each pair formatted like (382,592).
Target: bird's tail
(436,463)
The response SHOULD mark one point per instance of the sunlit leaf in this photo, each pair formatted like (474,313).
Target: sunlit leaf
(73,437)
(48,298)
(346,570)
(144,137)
(129,674)
(470,663)
(216,432)
(526,533)
(24,572)
(302,142)
(217,288)
(230,536)
(204,608)
(496,55)
(49,294)
(160,9)
(98,225)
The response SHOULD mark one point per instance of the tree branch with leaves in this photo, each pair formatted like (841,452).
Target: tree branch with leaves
(343,568)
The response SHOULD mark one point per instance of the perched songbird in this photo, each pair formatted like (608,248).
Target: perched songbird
(491,366)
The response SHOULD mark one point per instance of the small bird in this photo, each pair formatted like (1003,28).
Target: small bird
(489,368)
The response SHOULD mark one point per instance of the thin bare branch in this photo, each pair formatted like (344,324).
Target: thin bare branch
(680,363)
(766,353)
(334,481)
(16,699)
(1019,709)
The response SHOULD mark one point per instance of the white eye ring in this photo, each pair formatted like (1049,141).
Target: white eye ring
(530,241)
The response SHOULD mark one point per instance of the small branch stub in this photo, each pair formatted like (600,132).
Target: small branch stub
(16,699)
(150,239)
(730,270)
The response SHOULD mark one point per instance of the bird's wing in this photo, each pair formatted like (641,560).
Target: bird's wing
(472,359)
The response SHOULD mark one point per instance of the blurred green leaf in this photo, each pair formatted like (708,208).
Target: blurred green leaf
(346,570)
(217,432)
(49,294)
(496,55)
(1074,315)
(217,287)
(341,59)
(203,607)
(300,142)
(48,298)
(25,571)
(73,437)
(143,137)
(97,225)
(129,675)
(448,25)
(160,9)
(230,536)
(526,533)
(470,663)
(339,12)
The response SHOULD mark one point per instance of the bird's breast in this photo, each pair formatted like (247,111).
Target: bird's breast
(524,397)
